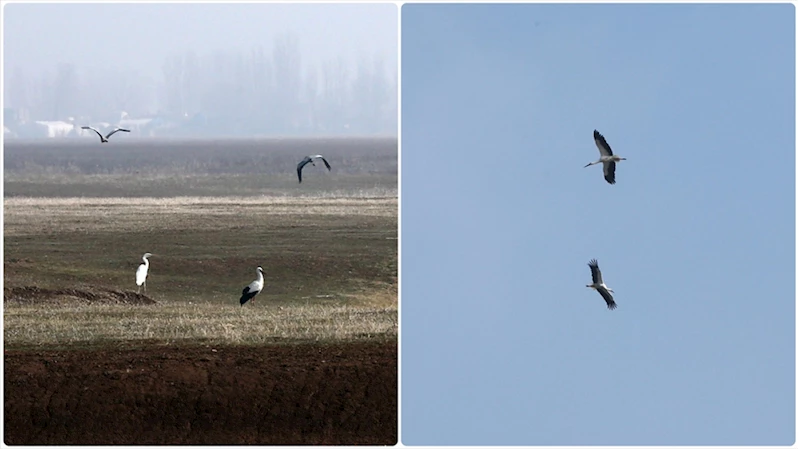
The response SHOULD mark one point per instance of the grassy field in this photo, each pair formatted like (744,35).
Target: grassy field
(78,217)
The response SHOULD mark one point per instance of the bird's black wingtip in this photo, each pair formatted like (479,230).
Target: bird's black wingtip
(612,306)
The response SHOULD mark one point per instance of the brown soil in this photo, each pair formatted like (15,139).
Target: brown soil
(93,295)
(293,394)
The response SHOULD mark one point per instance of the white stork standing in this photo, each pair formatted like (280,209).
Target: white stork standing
(600,286)
(141,273)
(254,288)
(309,159)
(105,139)
(606,158)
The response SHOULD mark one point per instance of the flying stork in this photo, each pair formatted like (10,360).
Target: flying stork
(254,288)
(141,273)
(600,286)
(606,158)
(105,139)
(310,159)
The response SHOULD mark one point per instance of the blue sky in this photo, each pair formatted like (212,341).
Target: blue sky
(502,344)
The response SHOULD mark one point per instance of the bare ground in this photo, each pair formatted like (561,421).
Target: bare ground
(286,394)
(36,295)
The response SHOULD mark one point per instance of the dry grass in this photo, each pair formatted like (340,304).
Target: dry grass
(27,326)
(328,248)
(330,269)
(31,216)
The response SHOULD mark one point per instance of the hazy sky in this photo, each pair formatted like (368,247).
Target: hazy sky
(140,36)
(502,343)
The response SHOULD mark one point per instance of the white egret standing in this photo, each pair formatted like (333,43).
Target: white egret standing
(600,286)
(309,159)
(254,288)
(141,273)
(606,158)
(105,139)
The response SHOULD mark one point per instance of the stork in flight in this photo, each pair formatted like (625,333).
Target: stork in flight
(105,139)
(254,288)
(600,286)
(141,273)
(309,159)
(606,158)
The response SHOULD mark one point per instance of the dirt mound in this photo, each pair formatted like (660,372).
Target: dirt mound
(92,295)
(342,394)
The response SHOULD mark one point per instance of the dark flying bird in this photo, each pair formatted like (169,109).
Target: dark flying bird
(600,286)
(254,288)
(309,159)
(105,139)
(606,158)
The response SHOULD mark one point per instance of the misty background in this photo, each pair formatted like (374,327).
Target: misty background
(200,70)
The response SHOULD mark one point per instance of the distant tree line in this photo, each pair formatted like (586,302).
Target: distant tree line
(245,93)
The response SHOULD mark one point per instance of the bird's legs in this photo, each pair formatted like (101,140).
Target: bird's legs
(138,289)
(145,287)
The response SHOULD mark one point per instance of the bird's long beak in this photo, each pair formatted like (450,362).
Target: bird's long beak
(587,165)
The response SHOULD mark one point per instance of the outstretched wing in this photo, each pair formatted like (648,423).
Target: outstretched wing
(325,161)
(602,144)
(607,297)
(609,168)
(118,129)
(93,129)
(302,164)
(596,275)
